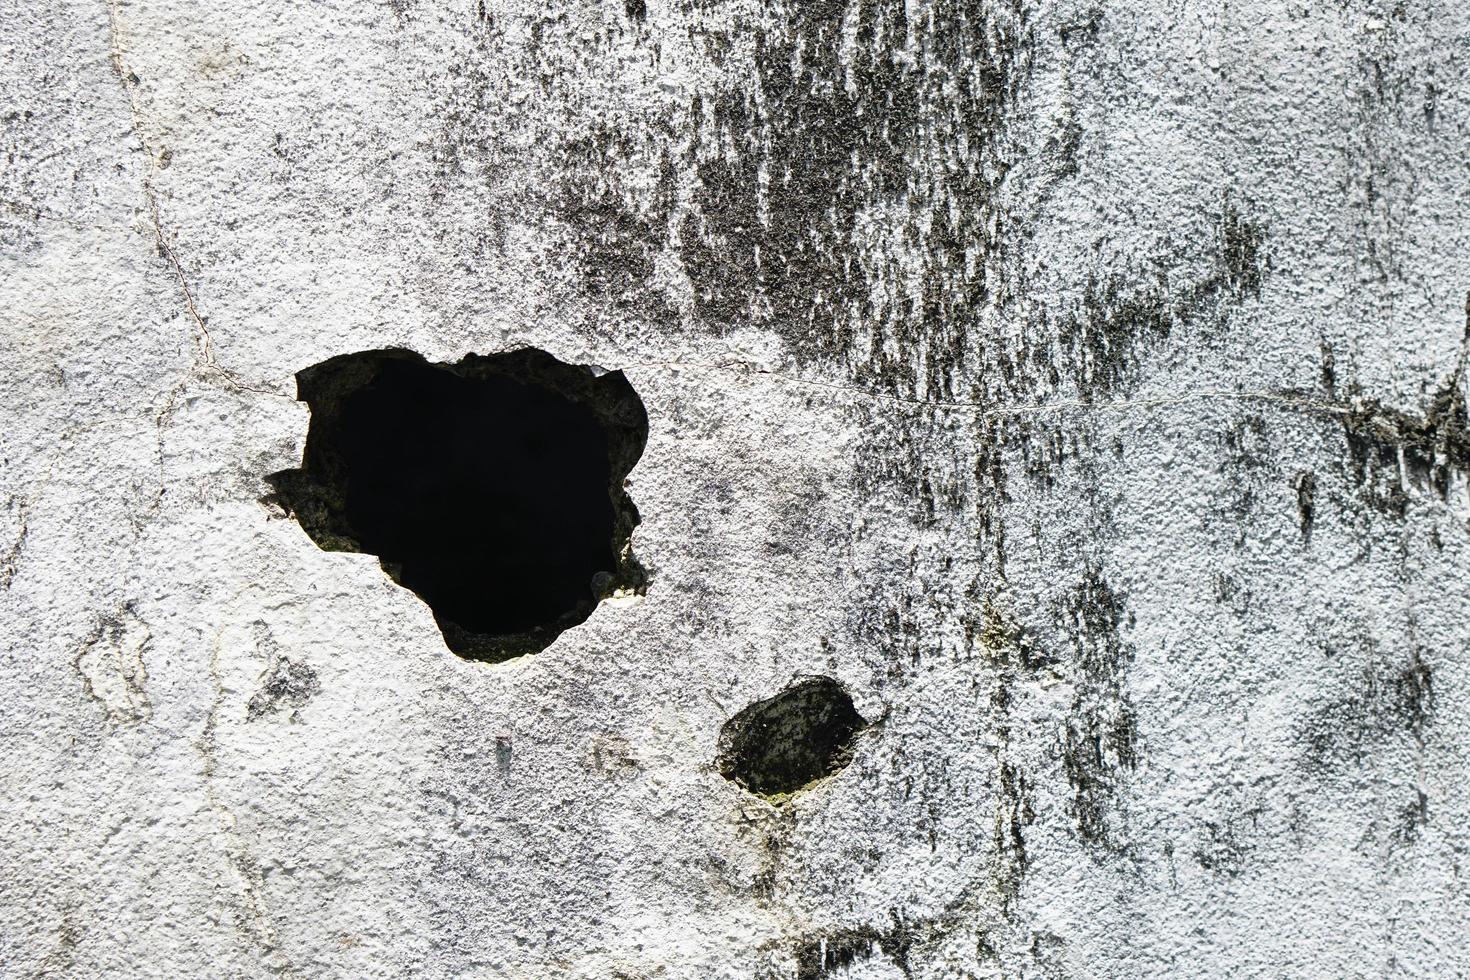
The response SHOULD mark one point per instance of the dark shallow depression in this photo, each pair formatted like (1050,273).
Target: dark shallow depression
(492,487)
(785,743)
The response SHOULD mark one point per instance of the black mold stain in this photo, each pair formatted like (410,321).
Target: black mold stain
(616,234)
(1391,452)
(829,130)
(1249,468)
(1413,818)
(1222,848)
(820,956)
(783,744)
(1306,502)
(1012,655)
(1328,374)
(1049,952)
(991,479)
(1012,813)
(1241,250)
(503,752)
(1099,741)
(492,488)
(1101,339)
(1227,590)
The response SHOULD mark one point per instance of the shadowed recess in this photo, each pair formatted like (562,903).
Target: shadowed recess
(492,488)
(785,743)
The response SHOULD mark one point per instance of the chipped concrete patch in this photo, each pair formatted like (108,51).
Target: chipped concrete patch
(111,666)
(1079,388)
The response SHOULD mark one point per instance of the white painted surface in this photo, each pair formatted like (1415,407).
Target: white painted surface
(200,198)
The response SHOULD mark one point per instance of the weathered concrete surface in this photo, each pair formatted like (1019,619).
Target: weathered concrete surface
(1081,385)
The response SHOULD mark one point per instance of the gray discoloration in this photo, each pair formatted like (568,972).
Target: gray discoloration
(287,685)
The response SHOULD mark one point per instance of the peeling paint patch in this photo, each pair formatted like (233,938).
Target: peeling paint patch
(111,666)
(1392,453)
(1385,699)
(287,685)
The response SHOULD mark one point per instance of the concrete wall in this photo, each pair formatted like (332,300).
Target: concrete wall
(1081,385)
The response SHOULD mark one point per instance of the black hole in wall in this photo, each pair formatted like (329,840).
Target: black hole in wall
(778,746)
(493,488)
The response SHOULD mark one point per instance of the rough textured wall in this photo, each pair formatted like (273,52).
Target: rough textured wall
(1081,385)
